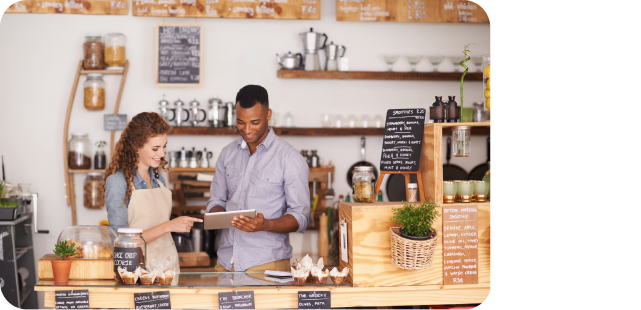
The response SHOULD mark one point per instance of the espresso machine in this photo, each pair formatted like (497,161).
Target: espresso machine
(332,53)
(311,45)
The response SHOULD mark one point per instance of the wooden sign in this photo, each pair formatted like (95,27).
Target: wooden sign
(75,299)
(422,11)
(258,9)
(93,7)
(460,245)
(115,121)
(236,300)
(178,55)
(314,300)
(152,300)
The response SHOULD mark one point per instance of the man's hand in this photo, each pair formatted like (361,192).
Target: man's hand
(250,225)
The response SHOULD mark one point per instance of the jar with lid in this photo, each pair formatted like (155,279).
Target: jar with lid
(362,182)
(94,197)
(115,50)
(461,141)
(93,51)
(314,160)
(479,112)
(94,92)
(79,153)
(130,250)
(412,193)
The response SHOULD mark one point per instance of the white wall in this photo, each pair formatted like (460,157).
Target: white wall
(39,54)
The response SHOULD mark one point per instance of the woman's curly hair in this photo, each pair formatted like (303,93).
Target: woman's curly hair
(140,129)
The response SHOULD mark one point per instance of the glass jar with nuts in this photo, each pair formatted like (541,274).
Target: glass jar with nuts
(93,49)
(115,50)
(94,197)
(94,92)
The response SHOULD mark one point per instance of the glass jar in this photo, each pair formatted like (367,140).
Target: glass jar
(479,112)
(412,192)
(461,141)
(94,197)
(363,184)
(93,50)
(115,50)
(94,92)
(314,160)
(99,160)
(79,156)
(90,241)
(486,80)
(130,250)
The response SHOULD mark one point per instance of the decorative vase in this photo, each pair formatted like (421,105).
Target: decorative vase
(61,270)
(486,177)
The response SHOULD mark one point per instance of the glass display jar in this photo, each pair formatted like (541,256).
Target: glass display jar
(461,141)
(94,92)
(94,197)
(130,250)
(479,112)
(90,241)
(115,50)
(93,51)
(79,156)
(363,184)
(486,80)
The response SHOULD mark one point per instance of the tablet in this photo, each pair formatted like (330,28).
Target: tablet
(219,220)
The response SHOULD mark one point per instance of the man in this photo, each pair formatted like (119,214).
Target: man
(259,171)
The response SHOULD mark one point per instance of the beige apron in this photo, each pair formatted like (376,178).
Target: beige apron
(149,208)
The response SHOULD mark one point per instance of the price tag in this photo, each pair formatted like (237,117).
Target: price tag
(74,299)
(152,300)
(343,232)
(314,300)
(236,300)
(115,121)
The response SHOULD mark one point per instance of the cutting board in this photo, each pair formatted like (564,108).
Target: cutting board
(193,259)
(81,268)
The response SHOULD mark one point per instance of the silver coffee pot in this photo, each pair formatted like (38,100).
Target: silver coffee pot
(333,52)
(311,45)
(165,111)
(216,115)
(179,113)
(290,61)
(230,114)
(204,163)
(194,113)
(183,159)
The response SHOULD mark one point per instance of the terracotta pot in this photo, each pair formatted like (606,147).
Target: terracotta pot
(61,270)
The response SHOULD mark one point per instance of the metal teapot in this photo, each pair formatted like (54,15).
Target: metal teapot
(289,61)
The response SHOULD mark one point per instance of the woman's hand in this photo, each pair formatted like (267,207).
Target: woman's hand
(182,224)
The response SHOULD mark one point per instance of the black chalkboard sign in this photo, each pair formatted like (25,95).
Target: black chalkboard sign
(115,121)
(314,300)
(236,300)
(152,300)
(76,299)
(402,140)
(178,55)
(126,258)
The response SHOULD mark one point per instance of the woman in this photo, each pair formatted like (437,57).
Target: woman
(135,191)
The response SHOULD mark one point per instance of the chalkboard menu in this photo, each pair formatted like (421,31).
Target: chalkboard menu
(460,245)
(250,9)
(236,300)
(426,11)
(127,258)
(402,140)
(152,300)
(92,7)
(115,121)
(178,55)
(75,299)
(314,300)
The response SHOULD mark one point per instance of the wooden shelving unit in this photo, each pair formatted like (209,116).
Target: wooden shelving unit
(379,75)
(308,131)
(69,185)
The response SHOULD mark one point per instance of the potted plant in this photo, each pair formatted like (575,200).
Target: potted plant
(62,266)
(414,242)
(100,159)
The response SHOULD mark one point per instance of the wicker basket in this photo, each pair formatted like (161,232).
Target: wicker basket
(411,254)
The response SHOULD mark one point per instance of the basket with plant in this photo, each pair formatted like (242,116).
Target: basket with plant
(414,242)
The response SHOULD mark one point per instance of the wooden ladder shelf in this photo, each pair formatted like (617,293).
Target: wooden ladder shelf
(69,185)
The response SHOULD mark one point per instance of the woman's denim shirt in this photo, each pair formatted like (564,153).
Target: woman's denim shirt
(115,190)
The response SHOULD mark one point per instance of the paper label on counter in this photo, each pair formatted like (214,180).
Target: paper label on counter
(343,231)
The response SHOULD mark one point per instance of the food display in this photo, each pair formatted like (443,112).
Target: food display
(362,184)
(157,272)
(339,277)
(78,156)
(94,92)
(129,251)
(115,49)
(93,51)
(90,242)
(94,194)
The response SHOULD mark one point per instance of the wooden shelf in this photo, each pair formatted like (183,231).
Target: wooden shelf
(198,170)
(105,72)
(379,75)
(280,131)
(86,170)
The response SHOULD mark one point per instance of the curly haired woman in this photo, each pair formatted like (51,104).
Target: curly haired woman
(135,192)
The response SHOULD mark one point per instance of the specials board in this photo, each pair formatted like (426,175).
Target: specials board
(460,245)
(314,300)
(178,55)
(152,300)
(74,299)
(425,11)
(402,140)
(236,300)
(258,9)
(92,7)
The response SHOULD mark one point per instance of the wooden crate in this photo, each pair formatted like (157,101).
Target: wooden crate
(81,268)
(369,253)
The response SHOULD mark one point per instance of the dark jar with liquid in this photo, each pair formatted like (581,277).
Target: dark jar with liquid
(437,110)
(453,111)
(99,160)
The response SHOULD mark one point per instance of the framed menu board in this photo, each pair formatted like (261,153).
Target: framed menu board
(92,7)
(422,11)
(259,9)
(178,55)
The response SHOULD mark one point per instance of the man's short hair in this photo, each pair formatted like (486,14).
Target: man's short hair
(250,95)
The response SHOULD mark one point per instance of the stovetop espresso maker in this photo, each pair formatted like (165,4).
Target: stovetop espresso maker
(311,45)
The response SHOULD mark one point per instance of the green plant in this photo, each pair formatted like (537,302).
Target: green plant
(416,220)
(101,144)
(1,188)
(64,250)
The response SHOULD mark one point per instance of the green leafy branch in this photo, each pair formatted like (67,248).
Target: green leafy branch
(416,220)
(101,144)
